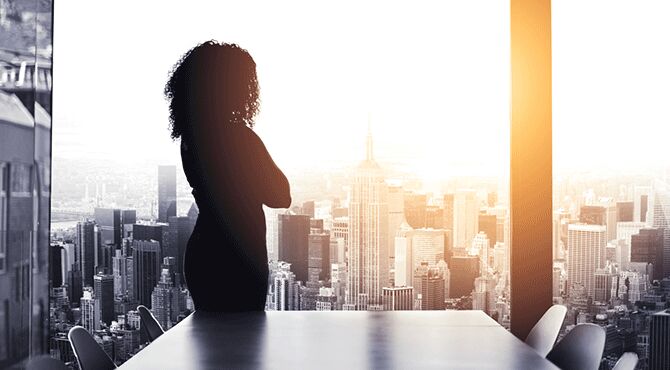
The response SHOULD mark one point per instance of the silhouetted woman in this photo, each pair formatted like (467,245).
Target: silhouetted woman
(213,95)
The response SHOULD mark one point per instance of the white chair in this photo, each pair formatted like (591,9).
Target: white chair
(542,336)
(149,323)
(627,361)
(581,349)
(88,352)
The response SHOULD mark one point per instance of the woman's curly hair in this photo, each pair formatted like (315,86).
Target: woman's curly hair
(217,77)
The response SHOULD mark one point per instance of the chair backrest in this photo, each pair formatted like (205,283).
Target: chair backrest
(45,363)
(88,352)
(542,336)
(149,323)
(627,361)
(580,349)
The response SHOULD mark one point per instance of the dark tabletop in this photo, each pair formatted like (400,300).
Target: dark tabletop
(338,339)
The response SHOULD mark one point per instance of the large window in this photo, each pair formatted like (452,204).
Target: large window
(611,247)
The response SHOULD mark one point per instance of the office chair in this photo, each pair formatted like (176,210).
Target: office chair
(149,323)
(627,361)
(580,349)
(88,352)
(542,336)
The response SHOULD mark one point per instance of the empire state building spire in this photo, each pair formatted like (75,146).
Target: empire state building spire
(368,144)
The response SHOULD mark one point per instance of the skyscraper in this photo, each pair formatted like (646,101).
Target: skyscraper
(488,224)
(103,290)
(466,211)
(398,298)
(464,271)
(294,243)
(659,341)
(109,223)
(396,209)
(448,213)
(165,296)
(90,317)
(586,254)
(122,270)
(660,214)
(641,203)
(167,192)
(318,263)
(404,265)
(625,211)
(368,232)
(647,247)
(146,269)
(87,245)
(427,246)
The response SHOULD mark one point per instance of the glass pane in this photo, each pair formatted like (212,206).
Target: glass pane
(611,237)
(391,124)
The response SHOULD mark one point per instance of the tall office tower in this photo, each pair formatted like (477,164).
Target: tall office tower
(57,262)
(167,192)
(337,251)
(586,254)
(556,282)
(464,271)
(272,231)
(415,209)
(659,341)
(398,298)
(427,245)
(128,219)
(466,212)
(341,229)
(122,270)
(641,203)
(109,223)
(179,232)
(318,263)
(484,294)
(90,317)
(283,286)
(404,263)
(660,214)
(593,215)
(307,208)
(434,217)
(104,261)
(488,224)
(432,290)
(165,296)
(75,285)
(294,243)
(152,231)
(86,250)
(103,290)
(556,244)
(396,207)
(603,285)
(500,258)
(448,213)
(647,247)
(625,211)
(610,220)
(368,232)
(480,247)
(146,269)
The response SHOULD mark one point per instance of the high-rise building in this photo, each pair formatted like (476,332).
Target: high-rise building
(308,208)
(660,214)
(396,216)
(448,213)
(641,203)
(603,285)
(90,317)
(152,231)
(432,290)
(318,263)
(464,271)
(86,250)
(415,209)
(167,192)
(647,247)
(659,340)
(586,254)
(625,211)
(146,269)
(404,262)
(593,215)
(488,224)
(341,229)
(427,246)
(57,265)
(283,296)
(480,247)
(103,291)
(484,295)
(466,212)
(165,296)
(109,223)
(398,298)
(122,270)
(368,232)
(294,243)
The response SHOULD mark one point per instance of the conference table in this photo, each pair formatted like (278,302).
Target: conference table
(338,340)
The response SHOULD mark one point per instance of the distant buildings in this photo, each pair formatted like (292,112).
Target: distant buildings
(586,254)
(167,192)
(659,341)
(293,243)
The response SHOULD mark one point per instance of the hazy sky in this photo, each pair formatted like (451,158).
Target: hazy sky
(433,77)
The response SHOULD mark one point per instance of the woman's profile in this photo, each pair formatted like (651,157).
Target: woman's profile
(213,98)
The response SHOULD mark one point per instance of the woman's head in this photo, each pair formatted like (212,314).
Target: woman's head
(214,82)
